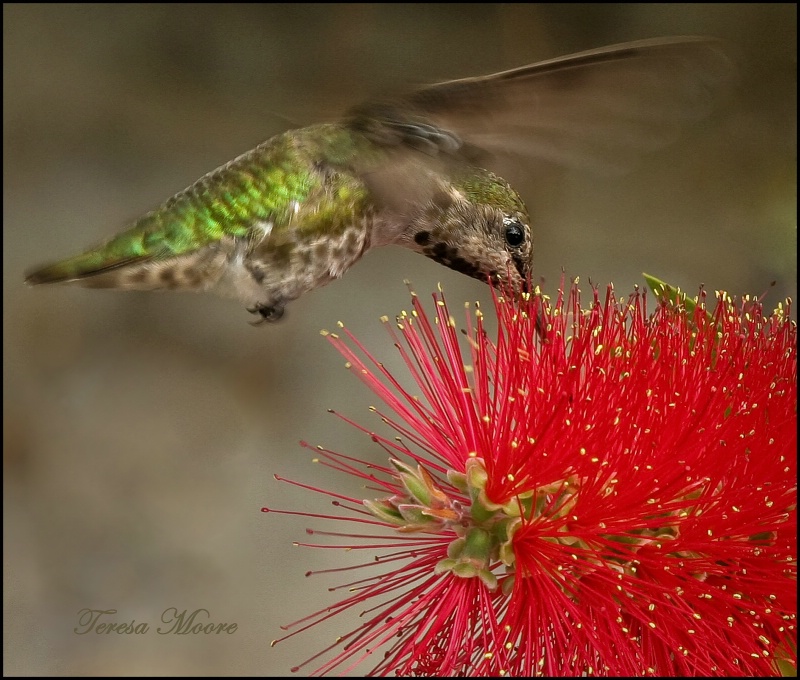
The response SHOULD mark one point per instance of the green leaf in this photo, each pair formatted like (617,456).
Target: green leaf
(664,291)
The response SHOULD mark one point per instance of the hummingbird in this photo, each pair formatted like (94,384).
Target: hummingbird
(414,170)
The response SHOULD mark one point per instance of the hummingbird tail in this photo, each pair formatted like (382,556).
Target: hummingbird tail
(136,245)
(196,270)
(77,268)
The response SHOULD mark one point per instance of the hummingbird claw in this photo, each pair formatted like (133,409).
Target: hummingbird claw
(267,313)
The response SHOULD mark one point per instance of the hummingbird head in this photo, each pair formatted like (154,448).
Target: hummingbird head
(479,226)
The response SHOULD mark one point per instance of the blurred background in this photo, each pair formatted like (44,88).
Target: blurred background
(142,431)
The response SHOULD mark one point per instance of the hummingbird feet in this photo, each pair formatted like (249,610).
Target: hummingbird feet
(267,313)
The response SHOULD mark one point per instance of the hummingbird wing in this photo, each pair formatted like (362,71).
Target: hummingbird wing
(600,109)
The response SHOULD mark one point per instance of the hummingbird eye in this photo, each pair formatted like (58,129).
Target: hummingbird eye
(515,233)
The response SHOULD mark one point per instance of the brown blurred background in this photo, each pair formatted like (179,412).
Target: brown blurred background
(141,431)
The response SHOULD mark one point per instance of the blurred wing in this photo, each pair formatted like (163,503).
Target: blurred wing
(600,109)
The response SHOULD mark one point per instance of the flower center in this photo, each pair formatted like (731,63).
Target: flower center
(483,530)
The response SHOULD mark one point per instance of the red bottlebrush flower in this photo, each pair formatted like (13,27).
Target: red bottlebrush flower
(613,495)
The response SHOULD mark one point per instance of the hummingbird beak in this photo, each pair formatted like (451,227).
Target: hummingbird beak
(522,270)
(515,282)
